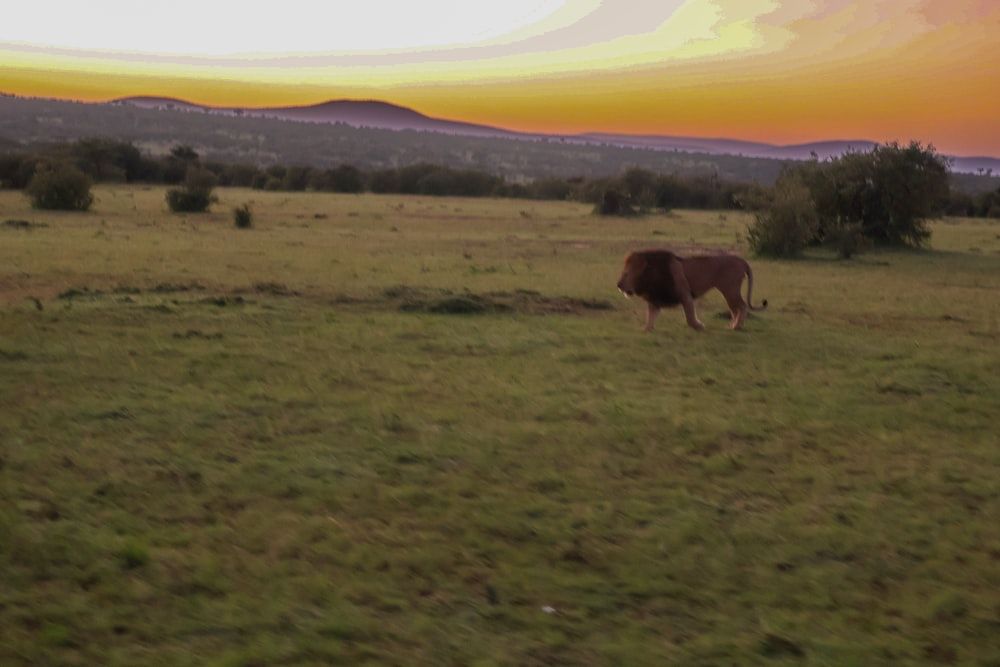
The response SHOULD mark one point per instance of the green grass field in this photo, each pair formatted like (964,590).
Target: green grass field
(411,431)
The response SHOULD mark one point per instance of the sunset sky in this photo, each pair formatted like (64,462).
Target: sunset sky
(782,72)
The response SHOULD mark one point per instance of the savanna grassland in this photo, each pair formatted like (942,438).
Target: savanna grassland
(414,431)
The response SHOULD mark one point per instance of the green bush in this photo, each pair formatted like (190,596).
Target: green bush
(895,189)
(890,192)
(243,217)
(785,219)
(851,203)
(615,203)
(196,194)
(182,200)
(60,187)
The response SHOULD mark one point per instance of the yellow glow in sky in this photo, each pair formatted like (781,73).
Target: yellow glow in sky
(782,72)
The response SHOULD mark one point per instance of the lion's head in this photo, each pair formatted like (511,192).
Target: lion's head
(631,278)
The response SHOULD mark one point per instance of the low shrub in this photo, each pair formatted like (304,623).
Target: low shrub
(60,187)
(243,217)
(196,194)
(181,200)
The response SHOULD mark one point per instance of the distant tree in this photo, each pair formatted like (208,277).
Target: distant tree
(890,192)
(551,188)
(346,178)
(184,153)
(59,186)
(615,203)
(240,175)
(641,186)
(296,179)
(987,204)
(460,183)
(411,176)
(178,163)
(16,170)
(593,191)
(272,178)
(671,192)
(960,204)
(108,159)
(384,181)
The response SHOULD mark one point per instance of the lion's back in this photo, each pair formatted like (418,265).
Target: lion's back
(722,271)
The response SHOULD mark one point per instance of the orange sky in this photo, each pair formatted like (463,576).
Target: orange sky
(781,72)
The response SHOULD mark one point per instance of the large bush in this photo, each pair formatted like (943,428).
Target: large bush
(890,192)
(785,218)
(196,195)
(60,187)
(884,196)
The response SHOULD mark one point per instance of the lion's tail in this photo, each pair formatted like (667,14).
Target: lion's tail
(763,304)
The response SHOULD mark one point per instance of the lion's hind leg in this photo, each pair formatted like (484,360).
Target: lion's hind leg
(739,317)
(738,309)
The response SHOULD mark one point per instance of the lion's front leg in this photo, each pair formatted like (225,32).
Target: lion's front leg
(691,315)
(651,313)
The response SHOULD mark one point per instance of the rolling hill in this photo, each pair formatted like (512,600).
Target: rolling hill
(382,115)
(371,134)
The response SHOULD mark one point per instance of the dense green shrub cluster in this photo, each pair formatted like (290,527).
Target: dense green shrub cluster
(884,196)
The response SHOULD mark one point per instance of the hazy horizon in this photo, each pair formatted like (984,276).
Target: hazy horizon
(882,71)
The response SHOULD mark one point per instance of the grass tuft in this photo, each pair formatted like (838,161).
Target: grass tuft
(132,556)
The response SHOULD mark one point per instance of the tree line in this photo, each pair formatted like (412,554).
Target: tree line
(880,197)
(111,161)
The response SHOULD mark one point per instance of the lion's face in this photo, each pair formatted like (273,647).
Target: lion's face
(635,264)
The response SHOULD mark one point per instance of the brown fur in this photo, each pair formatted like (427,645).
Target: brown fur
(663,279)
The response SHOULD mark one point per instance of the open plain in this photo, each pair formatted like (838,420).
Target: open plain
(395,430)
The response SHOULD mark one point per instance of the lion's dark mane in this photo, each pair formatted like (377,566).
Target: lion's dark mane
(656,284)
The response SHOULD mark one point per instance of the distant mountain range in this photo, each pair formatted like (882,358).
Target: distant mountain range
(382,115)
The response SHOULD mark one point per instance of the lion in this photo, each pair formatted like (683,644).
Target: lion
(664,279)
